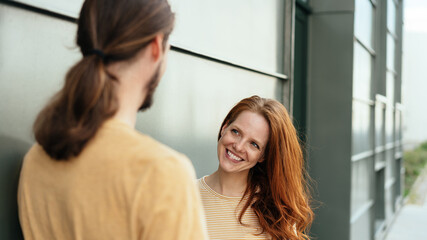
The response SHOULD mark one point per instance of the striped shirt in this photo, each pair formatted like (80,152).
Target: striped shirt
(222,216)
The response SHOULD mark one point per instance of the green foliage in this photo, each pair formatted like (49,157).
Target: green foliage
(414,162)
(423,146)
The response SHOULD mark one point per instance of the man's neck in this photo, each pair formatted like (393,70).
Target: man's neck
(127,117)
(228,184)
(129,102)
(131,88)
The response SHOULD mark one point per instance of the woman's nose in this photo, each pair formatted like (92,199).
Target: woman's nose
(238,145)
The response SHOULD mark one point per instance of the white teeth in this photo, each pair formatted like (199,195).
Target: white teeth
(233,156)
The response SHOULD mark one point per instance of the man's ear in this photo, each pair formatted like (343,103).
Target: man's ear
(157,47)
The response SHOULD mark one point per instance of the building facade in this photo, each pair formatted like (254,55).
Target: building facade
(355,111)
(335,64)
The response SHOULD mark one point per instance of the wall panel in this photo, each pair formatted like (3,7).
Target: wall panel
(36,51)
(246,32)
(192,100)
(362,128)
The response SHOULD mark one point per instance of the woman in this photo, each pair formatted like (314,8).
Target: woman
(259,190)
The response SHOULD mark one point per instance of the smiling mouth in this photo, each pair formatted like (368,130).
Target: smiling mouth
(232,156)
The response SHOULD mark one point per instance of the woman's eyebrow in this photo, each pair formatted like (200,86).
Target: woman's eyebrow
(238,128)
(253,139)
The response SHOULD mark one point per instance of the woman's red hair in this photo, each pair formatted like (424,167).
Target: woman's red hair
(277,188)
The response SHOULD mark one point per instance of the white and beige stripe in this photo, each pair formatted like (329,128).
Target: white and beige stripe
(222,216)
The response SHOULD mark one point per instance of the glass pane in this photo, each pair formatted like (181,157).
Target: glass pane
(379,200)
(380,157)
(389,203)
(391,49)
(390,87)
(361,141)
(363,19)
(391,16)
(361,229)
(390,180)
(379,125)
(398,125)
(361,72)
(361,184)
(389,125)
(249,33)
(390,162)
(193,98)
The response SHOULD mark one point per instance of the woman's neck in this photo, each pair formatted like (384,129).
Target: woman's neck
(228,184)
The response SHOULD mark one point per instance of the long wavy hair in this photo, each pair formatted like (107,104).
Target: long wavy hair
(277,188)
(108,31)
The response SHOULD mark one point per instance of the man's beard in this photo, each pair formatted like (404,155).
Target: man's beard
(151,88)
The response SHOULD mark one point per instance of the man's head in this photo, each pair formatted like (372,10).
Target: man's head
(109,32)
(120,29)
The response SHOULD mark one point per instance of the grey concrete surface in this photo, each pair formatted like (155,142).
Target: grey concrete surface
(411,223)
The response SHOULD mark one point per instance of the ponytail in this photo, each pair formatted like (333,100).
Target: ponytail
(108,32)
(76,112)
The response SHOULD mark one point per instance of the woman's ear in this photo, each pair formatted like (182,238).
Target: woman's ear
(223,129)
(262,158)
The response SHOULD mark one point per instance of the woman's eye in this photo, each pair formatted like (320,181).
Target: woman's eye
(234,131)
(255,145)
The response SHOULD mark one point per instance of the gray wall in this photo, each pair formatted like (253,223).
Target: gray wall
(32,57)
(329,114)
(217,59)
(196,91)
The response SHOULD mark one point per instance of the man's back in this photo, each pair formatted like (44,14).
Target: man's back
(123,185)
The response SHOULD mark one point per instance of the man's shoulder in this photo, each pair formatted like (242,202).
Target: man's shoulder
(167,165)
(137,147)
(148,147)
(152,149)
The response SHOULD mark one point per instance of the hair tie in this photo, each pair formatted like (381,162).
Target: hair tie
(97,52)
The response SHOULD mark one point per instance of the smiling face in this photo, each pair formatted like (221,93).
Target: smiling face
(242,143)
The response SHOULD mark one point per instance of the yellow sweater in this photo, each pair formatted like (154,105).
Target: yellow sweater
(123,185)
(222,216)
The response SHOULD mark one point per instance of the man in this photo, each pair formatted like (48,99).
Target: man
(91,175)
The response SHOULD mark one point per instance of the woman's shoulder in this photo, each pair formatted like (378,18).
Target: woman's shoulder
(201,184)
(200,180)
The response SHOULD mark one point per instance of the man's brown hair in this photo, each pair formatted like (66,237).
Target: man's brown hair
(108,31)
